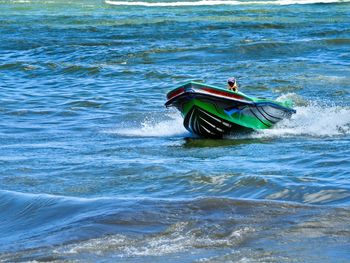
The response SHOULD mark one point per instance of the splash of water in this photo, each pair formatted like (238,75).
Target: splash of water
(150,127)
(312,119)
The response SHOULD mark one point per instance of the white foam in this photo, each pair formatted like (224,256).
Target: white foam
(179,237)
(156,128)
(21,1)
(312,120)
(169,4)
(221,2)
(307,2)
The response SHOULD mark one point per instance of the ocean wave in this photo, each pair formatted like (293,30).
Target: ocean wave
(38,227)
(222,2)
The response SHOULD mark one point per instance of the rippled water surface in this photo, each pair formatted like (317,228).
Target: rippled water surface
(94,168)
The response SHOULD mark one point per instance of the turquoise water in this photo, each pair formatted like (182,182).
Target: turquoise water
(94,168)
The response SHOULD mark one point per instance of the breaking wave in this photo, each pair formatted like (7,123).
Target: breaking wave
(222,2)
(72,229)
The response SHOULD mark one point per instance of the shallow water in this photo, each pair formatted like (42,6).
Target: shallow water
(94,168)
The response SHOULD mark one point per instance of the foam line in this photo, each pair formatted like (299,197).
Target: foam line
(222,2)
(169,4)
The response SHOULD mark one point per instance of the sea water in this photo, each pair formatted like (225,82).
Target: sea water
(94,168)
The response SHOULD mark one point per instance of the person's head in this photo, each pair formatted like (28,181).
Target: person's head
(231,82)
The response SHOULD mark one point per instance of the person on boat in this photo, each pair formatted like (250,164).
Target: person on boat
(232,84)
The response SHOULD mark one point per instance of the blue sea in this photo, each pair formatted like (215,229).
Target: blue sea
(94,168)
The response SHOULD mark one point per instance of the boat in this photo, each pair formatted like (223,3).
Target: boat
(214,112)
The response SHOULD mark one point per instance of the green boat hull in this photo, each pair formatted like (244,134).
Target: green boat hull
(210,111)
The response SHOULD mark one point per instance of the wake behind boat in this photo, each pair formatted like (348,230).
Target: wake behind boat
(211,111)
